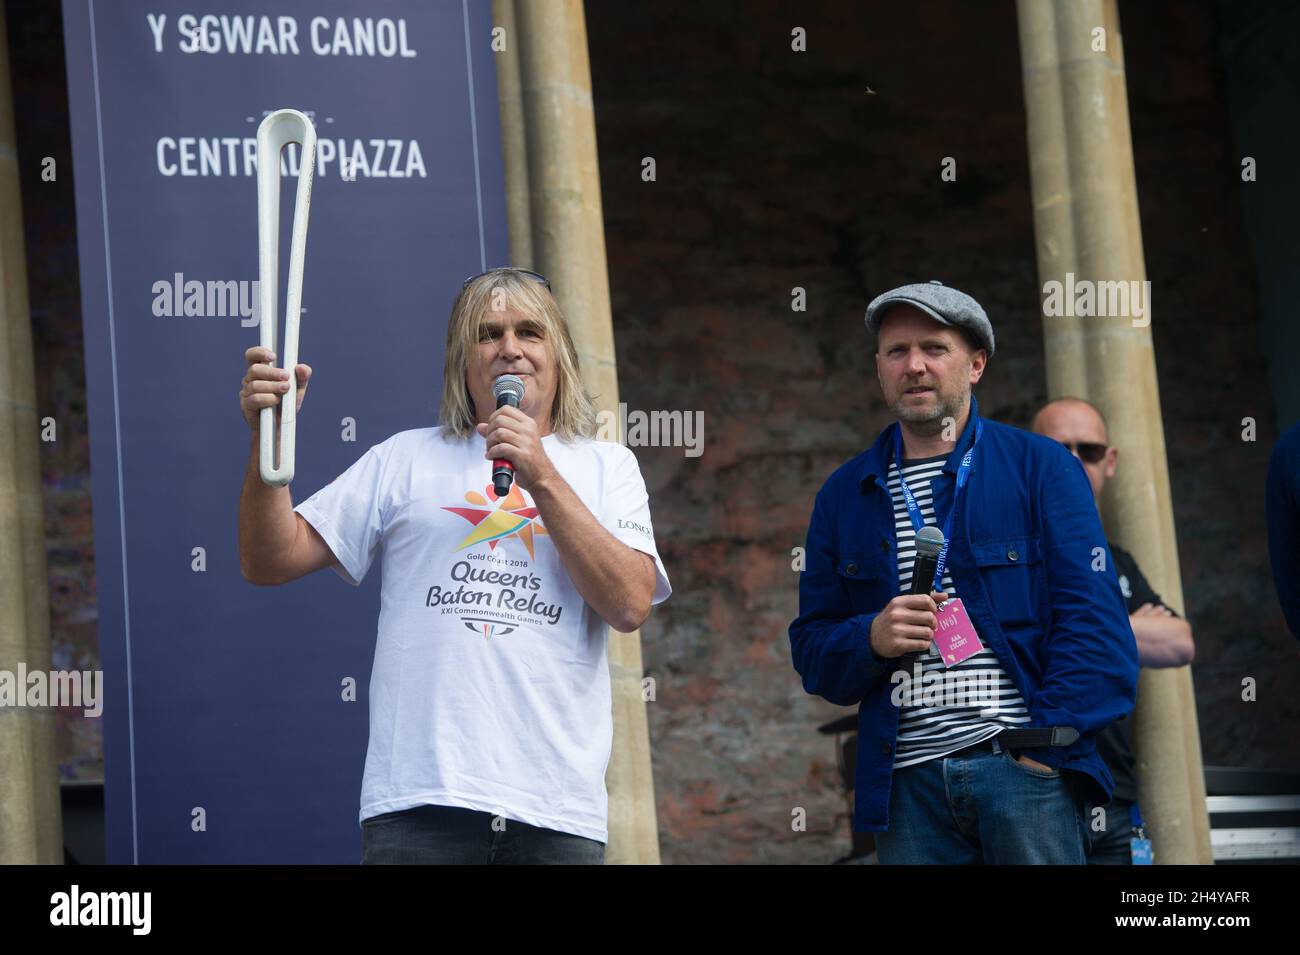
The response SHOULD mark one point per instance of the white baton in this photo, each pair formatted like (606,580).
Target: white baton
(281,127)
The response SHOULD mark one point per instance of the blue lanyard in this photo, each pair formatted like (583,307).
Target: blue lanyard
(914,511)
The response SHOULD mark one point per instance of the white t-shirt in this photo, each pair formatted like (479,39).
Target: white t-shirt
(490,688)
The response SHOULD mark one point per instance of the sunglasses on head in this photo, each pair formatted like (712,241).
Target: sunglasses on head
(1088,451)
(536,276)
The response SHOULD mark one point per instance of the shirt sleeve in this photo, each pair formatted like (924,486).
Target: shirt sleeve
(625,513)
(348,515)
(1143,592)
(830,643)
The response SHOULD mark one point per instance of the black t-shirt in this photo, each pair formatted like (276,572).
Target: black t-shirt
(1115,742)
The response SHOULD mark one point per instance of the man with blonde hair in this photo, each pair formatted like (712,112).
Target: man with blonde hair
(490,710)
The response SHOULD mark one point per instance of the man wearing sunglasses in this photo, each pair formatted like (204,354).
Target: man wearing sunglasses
(944,775)
(1163,638)
(490,706)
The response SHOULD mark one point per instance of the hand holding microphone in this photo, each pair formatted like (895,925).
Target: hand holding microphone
(514,445)
(908,622)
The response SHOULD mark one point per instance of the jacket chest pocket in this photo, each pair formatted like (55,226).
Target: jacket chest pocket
(860,576)
(1012,570)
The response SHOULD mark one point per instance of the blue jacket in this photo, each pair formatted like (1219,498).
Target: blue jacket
(1029,560)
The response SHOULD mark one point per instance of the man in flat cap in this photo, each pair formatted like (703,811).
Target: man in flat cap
(979,696)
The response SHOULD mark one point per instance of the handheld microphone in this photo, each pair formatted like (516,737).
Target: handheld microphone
(509,390)
(929,542)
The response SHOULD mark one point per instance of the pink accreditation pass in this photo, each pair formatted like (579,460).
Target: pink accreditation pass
(955,637)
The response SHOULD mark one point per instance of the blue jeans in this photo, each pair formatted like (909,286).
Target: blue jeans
(980,806)
(1112,846)
(449,835)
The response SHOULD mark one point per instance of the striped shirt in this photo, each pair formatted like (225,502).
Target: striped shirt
(944,709)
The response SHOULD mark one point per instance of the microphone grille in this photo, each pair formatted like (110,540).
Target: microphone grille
(508,385)
(929,541)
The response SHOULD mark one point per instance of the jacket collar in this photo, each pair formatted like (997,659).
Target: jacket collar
(875,466)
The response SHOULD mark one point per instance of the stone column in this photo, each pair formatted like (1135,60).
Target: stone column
(31,820)
(514,149)
(567,244)
(1086,224)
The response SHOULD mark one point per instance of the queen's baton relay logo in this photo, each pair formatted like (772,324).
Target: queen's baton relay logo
(511,590)
(513,516)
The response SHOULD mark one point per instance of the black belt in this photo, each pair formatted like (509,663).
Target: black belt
(1038,738)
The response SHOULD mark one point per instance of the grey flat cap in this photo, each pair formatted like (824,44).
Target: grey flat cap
(941,303)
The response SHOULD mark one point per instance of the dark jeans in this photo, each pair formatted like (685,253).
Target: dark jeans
(1111,845)
(449,835)
(979,805)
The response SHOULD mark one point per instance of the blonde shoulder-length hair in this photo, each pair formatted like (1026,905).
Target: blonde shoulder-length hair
(572,415)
